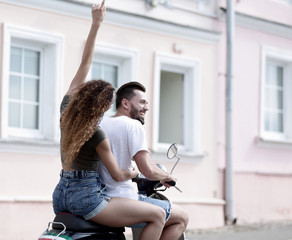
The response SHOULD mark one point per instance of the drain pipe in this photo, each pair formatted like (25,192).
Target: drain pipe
(229,215)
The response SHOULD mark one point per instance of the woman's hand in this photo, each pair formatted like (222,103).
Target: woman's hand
(128,174)
(133,173)
(98,13)
(104,152)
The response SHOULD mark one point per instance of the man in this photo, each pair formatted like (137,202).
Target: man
(128,142)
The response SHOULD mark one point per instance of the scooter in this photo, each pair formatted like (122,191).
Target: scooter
(153,188)
(72,227)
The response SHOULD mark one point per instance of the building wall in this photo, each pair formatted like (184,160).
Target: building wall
(264,166)
(267,200)
(268,10)
(33,168)
(262,171)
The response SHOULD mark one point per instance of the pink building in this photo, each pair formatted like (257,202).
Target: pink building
(177,49)
(261,111)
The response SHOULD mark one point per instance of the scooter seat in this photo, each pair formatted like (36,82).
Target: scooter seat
(79,224)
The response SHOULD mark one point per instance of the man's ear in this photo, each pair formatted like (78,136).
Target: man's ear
(125,103)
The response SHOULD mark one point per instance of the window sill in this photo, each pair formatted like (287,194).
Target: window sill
(184,155)
(203,201)
(25,199)
(272,142)
(29,146)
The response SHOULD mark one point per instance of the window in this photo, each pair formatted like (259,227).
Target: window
(31,85)
(105,71)
(23,98)
(108,72)
(115,65)
(176,101)
(171,108)
(276,96)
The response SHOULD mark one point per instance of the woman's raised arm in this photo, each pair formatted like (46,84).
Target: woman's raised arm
(98,13)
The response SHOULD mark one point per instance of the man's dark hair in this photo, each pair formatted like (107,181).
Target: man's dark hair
(127,91)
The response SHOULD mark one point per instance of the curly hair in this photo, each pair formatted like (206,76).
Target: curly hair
(80,118)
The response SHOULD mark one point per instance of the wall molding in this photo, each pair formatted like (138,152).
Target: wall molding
(124,19)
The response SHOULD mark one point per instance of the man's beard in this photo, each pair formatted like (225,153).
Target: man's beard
(135,115)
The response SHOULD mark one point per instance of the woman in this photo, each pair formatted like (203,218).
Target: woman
(83,144)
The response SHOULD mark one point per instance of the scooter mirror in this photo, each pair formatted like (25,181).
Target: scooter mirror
(172,151)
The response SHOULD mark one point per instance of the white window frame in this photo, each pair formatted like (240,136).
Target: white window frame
(51,46)
(113,62)
(190,68)
(124,58)
(284,59)
(22,132)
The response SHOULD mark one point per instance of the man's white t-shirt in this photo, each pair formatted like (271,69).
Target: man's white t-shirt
(127,137)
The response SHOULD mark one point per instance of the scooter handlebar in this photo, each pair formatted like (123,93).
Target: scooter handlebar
(171,183)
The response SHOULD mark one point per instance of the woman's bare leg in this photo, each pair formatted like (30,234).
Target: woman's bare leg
(125,212)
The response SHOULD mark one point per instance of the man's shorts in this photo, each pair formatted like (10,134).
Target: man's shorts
(165,204)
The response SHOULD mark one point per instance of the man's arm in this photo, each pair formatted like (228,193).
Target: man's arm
(97,12)
(149,169)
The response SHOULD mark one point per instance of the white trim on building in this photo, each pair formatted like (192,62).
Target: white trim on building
(190,68)
(283,59)
(51,47)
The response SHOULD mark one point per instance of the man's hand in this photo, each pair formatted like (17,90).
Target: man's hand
(166,182)
(150,170)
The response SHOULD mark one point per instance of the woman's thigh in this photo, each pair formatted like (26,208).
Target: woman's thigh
(124,212)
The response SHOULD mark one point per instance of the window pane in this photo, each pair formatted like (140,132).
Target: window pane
(279,99)
(274,99)
(31,89)
(14,87)
(15,59)
(30,116)
(279,76)
(273,122)
(276,122)
(111,74)
(171,115)
(14,115)
(31,62)
(96,71)
(106,72)
(267,121)
(274,75)
(267,97)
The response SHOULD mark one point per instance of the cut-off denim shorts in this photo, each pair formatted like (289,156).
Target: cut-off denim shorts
(80,193)
(164,204)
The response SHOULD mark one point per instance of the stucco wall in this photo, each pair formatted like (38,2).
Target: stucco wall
(35,174)
(262,170)
(259,168)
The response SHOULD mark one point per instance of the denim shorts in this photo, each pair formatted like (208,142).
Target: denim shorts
(165,204)
(80,193)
